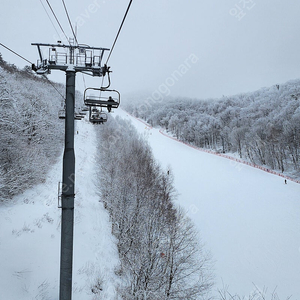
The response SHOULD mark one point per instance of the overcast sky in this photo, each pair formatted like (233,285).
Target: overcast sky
(198,48)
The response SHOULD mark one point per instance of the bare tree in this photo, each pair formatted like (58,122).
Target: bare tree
(161,257)
(256,294)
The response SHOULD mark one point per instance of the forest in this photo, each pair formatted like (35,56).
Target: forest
(161,256)
(262,127)
(31,134)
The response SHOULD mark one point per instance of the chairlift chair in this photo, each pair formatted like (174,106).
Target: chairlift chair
(105,98)
(103,117)
(97,117)
(61,114)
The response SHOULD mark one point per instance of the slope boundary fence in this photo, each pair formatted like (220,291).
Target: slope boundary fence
(161,131)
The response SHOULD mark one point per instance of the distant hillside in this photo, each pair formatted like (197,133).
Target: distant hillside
(262,127)
(31,134)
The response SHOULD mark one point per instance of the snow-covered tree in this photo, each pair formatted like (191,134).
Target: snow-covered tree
(262,127)
(158,246)
(31,134)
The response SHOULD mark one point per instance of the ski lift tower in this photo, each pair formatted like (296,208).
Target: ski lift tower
(71,59)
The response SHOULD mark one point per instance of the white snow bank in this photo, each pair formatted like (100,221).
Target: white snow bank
(30,235)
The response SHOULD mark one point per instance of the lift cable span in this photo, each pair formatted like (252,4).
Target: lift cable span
(33,67)
(70,21)
(50,82)
(16,53)
(113,46)
(57,20)
(49,18)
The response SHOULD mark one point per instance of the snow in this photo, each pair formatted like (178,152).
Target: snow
(30,234)
(248,219)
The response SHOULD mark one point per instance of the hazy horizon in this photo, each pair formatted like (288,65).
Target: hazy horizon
(232,53)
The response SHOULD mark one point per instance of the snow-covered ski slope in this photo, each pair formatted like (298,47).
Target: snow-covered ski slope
(30,235)
(249,219)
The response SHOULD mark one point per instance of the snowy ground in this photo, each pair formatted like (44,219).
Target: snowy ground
(30,235)
(249,219)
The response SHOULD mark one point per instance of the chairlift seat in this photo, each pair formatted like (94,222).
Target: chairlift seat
(101,102)
(98,121)
(107,98)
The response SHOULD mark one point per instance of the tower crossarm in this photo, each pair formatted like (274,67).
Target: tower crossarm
(81,58)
